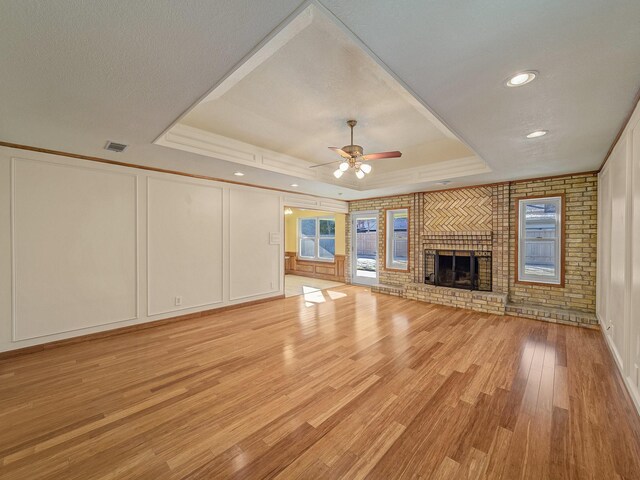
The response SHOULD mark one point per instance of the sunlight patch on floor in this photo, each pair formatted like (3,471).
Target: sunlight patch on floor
(296,284)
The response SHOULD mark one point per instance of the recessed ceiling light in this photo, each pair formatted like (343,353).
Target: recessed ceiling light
(522,78)
(538,133)
(238,174)
(294,185)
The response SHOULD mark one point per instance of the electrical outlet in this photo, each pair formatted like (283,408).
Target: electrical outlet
(178,301)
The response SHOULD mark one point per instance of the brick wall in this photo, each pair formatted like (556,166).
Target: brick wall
(450,212)
(500,238)
(579,292)
(382,205)
(475,218)
(486,302)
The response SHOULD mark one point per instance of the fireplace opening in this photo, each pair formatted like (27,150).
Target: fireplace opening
(466,269)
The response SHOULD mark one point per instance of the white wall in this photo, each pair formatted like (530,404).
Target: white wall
(74,249)
(87,247)
(619,254)
(185,244)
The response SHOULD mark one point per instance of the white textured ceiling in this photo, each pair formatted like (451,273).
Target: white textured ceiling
(297,100)
(74,74)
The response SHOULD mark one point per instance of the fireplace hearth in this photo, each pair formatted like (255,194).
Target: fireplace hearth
(465,269)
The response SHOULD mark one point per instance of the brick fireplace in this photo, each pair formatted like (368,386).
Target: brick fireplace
(457,224)
(482,220)
(465,269)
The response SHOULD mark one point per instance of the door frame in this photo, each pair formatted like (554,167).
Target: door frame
(354,245)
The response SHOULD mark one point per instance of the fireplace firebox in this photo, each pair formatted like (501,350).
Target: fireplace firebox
(466,269)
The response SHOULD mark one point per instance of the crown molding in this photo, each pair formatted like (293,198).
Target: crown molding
(195,140)
(461,167)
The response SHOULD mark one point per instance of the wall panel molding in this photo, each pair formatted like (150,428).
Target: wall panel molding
(136,294)
(315,269)
(149,242)
(15,262)
(619,254)
(253,216)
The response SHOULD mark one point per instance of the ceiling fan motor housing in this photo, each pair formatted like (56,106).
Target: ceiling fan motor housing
(353,150)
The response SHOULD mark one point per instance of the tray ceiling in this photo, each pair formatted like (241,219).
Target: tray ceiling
(76,74)
(291,99)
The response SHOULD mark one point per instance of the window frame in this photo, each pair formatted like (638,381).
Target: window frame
(317,237)
(389,264)
(520,242)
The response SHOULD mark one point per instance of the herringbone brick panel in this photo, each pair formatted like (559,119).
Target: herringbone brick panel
(457,211)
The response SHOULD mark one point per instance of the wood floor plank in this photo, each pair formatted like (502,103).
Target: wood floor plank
(360,385)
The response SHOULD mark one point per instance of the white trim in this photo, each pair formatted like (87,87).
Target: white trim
(633,121)
(266,293)
(297,23)
(624,352)
(316,203)
(278,40)
(253,296)
(449,169)
(183,137)
(317,237)
(557,239)
(195,140)
(202,142)
(390,240)
(12,215)
(242,61)
(628,255)
(186,307)
(355,279)
(635,396)
(281,247)
(12,155)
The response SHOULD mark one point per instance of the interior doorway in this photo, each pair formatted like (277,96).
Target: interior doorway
(314,250)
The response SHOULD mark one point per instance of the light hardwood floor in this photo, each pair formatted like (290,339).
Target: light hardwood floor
(350,385)
(298,285)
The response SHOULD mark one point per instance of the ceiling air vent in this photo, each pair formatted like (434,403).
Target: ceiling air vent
(115,147)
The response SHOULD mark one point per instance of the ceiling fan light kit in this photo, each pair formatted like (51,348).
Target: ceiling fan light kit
(353,157)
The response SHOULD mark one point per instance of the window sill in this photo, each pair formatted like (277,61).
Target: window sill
(399,270)
(323,260)
(538,283)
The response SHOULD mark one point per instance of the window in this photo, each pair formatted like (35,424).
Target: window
(397,232)
(317,238)
(539,240)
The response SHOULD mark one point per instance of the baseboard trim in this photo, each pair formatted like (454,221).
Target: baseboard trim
(635,399)
(130,328)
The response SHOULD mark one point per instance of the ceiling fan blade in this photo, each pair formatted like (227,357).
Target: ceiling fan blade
(376,156)
(323,164)
(340,152)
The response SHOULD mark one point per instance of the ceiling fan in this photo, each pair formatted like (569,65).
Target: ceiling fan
(353,157)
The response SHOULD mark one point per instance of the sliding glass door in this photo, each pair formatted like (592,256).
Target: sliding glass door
(364,248)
